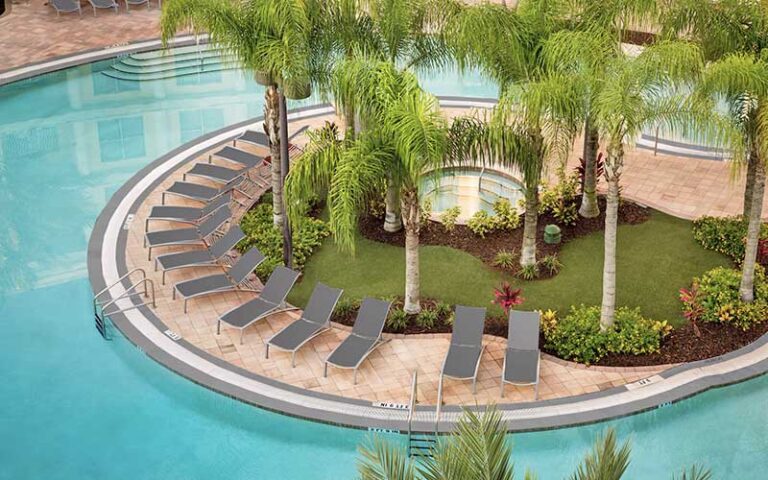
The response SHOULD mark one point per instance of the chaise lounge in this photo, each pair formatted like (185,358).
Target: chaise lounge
(463,357)
(522,356)
(200,258)
(187,236)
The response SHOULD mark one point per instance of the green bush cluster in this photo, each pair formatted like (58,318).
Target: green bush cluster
(560,200)
(481,223)
(578,337)
(505,216)
(448,218)
(718,300)
(724,235)
(261,233)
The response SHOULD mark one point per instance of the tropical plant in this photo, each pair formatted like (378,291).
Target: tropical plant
(481,223)
(272,39)
(552,264)
(507,297)
(504,259)
(733,35)
(410,140)
(538,110)
(479,449)
(589,173)
(449,216)
(427,318)
(717,298)
(529,272)
(397,320)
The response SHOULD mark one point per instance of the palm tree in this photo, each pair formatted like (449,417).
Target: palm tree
(634,94)
(479,449)
(410,140)
(733,34)
(535,102)
(270,38)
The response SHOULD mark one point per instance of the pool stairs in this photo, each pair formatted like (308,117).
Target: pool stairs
(105,304)
(170,63)
(420,444)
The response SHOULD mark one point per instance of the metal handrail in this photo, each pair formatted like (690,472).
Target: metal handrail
(137,269)
(127,293)
(439,403)
(412,405)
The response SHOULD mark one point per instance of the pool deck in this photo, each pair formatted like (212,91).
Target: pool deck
(569,394)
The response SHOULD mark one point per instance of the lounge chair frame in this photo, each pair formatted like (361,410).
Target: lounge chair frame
(538,362)
(477,363)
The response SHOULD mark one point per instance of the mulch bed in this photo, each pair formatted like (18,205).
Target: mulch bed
(486,248)
(682,345)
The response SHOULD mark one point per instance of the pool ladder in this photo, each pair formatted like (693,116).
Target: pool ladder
(419,444)
(101,312)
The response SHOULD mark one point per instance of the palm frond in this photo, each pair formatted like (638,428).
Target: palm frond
(606,461)
(384,461)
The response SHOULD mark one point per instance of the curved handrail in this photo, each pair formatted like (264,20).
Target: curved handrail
(412,405)
(145,282)
(101,292)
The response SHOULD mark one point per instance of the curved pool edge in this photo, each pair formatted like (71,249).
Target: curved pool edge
(106,262)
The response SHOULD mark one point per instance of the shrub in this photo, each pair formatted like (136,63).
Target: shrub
(715,298)
(505,259)
(261,233)
(551,264)
(426,318)
(578,336)
(505,216)
(377,205)
(481,223)
(529,272)
(448,218)
(724,235)
(397,320)
(450,319)
(443,309)
(346,307)
(507,297)
(560,200)
(582,168)
(548,322)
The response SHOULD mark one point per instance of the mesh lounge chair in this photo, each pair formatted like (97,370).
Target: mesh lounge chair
(521,358)
(201,193)
(179,214)
(270,301)
(222,282)
(187,236)
(215,173)
(364,339)
(103,4)
(252,137)
(315,320)
(128,4)
(463,357)
(66,6)
(200,258)
(235,155)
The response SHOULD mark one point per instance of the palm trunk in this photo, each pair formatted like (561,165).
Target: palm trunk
(392,220)
(747,287)
(411,217)
(272,118)
(589,207)
(530,225)
(613,166)
(750,184)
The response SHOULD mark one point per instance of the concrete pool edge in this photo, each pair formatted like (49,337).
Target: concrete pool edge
(678,382)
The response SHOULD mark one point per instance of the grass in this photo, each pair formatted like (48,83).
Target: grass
(655,259)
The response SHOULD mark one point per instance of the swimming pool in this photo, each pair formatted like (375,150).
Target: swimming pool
(75,406)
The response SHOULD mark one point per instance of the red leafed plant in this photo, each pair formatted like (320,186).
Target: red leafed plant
(762,251)
(692,309)
(507,297)
(582,167)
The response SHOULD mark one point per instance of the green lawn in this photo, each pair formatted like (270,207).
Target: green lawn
(655,260)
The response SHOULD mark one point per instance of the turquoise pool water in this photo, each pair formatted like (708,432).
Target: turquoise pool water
(73,406)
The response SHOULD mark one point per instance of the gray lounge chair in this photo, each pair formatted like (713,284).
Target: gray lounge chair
(104,4)
(215,173)
(270,301)
(200,258)
(66,6)
(179,214)
(135,3)
(463,357)
(252,137)
(235,155)
(202,193)
(522,357)
(364,339)
(315,320)
(221,282)
(187,236)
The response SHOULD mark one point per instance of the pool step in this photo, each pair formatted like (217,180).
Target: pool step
(171,63)
(421,444)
